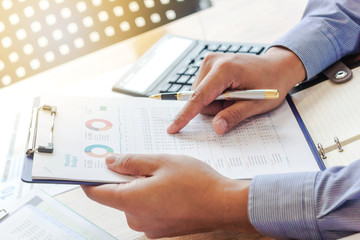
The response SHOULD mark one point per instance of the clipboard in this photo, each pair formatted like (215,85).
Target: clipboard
(26,175)
(47,149)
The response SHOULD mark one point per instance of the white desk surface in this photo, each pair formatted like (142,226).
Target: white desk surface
(259,21)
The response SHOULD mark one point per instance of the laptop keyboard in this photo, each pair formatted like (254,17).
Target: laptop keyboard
(182,79)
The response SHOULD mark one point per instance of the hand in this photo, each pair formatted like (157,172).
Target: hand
(174,195)
(278,69)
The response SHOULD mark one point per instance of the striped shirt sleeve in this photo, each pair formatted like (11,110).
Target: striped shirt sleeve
(328,31)
(310,205)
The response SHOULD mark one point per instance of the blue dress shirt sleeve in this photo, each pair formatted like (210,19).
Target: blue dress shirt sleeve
(329,30)
(310,205)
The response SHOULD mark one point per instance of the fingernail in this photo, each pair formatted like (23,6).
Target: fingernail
(170,128)
(110,160)
(222,125)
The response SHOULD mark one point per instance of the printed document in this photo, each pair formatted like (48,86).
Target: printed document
(87,129)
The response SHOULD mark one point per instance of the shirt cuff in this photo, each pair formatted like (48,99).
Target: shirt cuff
(310,41)
(283,205)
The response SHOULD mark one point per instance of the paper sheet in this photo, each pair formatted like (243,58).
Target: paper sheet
(86,129)
(38,216)
(14,129)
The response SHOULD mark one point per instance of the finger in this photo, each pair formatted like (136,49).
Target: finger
(203,70)
(134,164)
(204,94)
(215,107)
(239,111)
(105,194)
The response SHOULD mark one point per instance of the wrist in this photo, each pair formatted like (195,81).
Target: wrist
(236,216)
(285,65)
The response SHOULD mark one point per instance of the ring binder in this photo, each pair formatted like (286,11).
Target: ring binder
(3,214)
(321,151)
(34,128)
(336,140)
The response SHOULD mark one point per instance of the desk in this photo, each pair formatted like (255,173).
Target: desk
(259,21)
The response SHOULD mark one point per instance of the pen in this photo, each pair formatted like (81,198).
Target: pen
(228,95)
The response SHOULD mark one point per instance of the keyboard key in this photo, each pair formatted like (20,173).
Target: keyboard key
(256,50)
(183,79)
(174,88)
(223,48)
(213,47)
(244,49)
(191,80)
(182,70)
(234,48)
(165,87)
(186,88)
(203,54)
(192,71)
(173,78)
(197,63)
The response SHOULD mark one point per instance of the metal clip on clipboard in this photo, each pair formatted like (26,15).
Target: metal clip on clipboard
(3,214)
(34,129)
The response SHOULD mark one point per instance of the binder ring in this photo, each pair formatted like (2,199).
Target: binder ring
(321,151)
(50,147)
(336,140)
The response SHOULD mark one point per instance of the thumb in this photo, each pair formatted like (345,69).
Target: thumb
(234,114)
(132,164)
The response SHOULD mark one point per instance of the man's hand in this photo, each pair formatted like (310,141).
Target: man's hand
(278,69)
(174,195)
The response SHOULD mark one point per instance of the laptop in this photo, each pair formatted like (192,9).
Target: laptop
(171,64)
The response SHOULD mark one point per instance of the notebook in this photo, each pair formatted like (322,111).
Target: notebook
(331,114)
(86,129)
(172,63)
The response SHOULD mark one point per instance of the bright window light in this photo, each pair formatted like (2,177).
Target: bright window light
(14,19)
(81,6)
(134,6)
(29,11)
(28,49)
(42,41)
(124,26)
(6,80)
(109,31)
(94,36)
(49,56)
(79,43)
(65,13)
(35,64)
(6,42)
(149,3)
(72,28)
(44,4)
(20,72)
(103,16)
(50,19)
(155,18)
(118,11)
(14,57)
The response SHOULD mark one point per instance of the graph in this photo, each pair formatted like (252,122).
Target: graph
(98,150)
(98,124)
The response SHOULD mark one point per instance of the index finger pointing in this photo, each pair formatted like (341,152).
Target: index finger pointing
(203,95)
